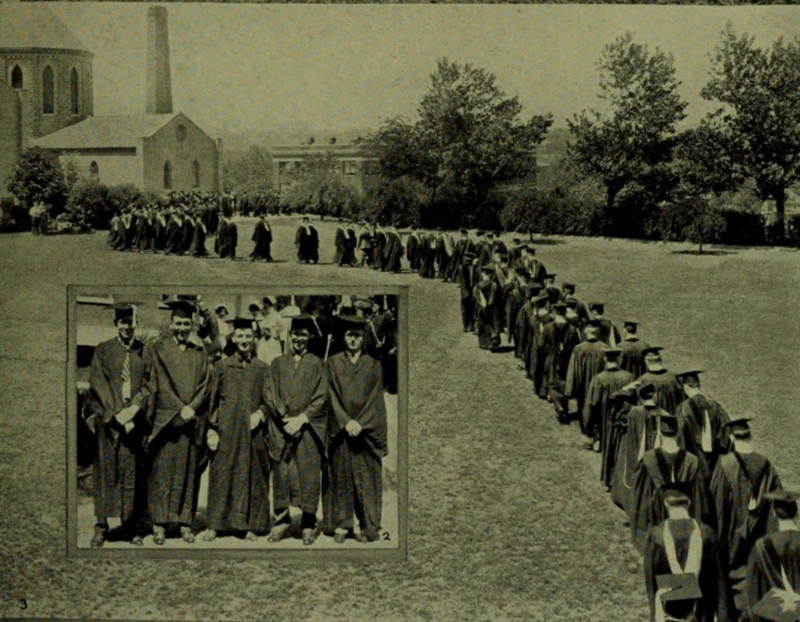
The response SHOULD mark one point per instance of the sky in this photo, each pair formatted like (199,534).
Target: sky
(250,67)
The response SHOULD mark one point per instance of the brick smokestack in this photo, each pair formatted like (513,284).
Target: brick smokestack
(159,83)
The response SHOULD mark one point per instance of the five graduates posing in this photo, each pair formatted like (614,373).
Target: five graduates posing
(161,413)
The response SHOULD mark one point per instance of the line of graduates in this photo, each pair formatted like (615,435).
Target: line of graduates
(316,427)
(717,532)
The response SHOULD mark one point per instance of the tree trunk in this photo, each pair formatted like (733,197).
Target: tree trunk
(780,216)
(700,246)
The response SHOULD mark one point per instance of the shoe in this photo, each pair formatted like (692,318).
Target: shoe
(137,540)
(278,532)
(361,538)
(309,536)
(251,536)
(339,537)
(589,446)
(99,537)
(371,536)
(159,536)
(187,535)
(209,536)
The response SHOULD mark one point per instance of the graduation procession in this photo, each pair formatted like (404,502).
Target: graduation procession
(211,419)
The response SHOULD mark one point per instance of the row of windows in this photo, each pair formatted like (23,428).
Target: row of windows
(368,167)
(94,169)
(49,88)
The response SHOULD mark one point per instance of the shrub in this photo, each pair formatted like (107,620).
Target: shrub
(38,177)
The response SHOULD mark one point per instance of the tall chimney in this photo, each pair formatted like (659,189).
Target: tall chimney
(159,84)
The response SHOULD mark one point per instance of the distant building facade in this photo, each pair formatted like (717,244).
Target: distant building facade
(356,164)
(791,208)
(46,100)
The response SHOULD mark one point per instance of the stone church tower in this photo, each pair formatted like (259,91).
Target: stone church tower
(45,79)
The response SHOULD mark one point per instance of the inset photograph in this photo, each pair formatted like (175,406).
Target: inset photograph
(230,421)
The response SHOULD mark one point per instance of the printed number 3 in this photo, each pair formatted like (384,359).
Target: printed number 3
(23,604)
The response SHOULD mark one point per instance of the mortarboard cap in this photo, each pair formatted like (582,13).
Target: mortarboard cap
(125,311)
(560,308)
(678,587)
(300,322)
(600,306)
(668,424)
(269,300)
(647,391)
(182,308)
(479,232)
(220,309)
(550,275)
(784,504)
(568,287)
(740,427)
(254,306)
(242,323)
(690,377)
(572,303)
(541,300)
(593,323)
(630,322)
(516,240)
(351,322)
(677,493)
(612,353)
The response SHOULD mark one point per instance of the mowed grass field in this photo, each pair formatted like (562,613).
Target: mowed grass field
(507,519)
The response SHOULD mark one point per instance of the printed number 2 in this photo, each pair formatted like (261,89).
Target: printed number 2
(23,604)
(386,535)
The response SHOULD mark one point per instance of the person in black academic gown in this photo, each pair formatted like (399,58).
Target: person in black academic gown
(357,438)
(238,479)
(658,467)
(586,362)
(608,333)
(669,391)
(633,349)
(262,237)
(559,339)
(487,320)
(774,569)
(115,380)
(341,242)
(684,573)
(306,241)
(741,480)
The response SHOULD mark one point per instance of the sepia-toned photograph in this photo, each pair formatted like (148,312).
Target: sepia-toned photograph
(399,312)
(232,421)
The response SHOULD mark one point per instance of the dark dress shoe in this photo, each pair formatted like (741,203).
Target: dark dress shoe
(99,537)
(361,538)
(137,541)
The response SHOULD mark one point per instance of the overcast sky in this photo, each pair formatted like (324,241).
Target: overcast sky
(243,67)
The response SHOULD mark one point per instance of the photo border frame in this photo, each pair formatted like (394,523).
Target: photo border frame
(397,554)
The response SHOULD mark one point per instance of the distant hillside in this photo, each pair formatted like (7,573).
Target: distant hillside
(554,146)
(241,141)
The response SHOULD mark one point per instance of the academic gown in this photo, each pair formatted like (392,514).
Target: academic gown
(198,247)
(159,232)
(559,340)
(608,333)
(355,473)
(706,444)
(632,358)
(298,387)
(365,246)
(118,469)
(189,228)
(262,237)
(393,252)
(656,469)
(537,352)
(486,314)
(307,242)
(514,301)
(587,360)
(378,246)
(113,237)
(412,245)
(465,286)
(641,434)
(669,391)
(427,268)
(711,576)
(341,246)
(174,236)
(598,414)
(739,479)
(774,557)
(174,378)
(238,480)
(352,241)
(219,240)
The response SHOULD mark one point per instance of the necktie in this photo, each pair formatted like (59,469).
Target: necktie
(126,377)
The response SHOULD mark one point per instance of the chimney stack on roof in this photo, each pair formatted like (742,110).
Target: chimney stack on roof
(159,83)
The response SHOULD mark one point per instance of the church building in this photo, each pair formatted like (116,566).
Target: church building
(46,100)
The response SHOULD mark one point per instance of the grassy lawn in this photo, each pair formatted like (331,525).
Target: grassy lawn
(507,519)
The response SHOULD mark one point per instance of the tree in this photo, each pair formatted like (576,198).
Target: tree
(394,201)
(38,177)
(691,217)
(469,138)
(316,186)
(633,140)
(759,90)
(249,171)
